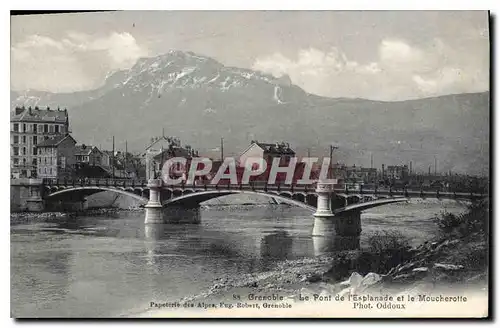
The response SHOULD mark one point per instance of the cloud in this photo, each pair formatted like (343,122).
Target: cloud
(398,71)
(76,62)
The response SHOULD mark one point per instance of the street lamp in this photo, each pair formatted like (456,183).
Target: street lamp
(332,148)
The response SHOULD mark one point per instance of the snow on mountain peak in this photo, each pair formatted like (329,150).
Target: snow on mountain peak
(178,69)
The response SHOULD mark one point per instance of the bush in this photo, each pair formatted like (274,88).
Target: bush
(448,222)
(475,220)
(387,240)
(386,249)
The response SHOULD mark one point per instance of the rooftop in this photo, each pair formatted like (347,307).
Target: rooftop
(174,152)
(83,149)
(275,148)
(54,141)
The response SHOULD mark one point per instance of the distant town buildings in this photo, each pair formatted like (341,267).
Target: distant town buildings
(41,146)
(160,150)
(29,127)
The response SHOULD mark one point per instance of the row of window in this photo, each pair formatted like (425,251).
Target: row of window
(40,128)
(46,160)
(45,171)
(34,139)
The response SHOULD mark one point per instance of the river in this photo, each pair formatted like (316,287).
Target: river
(112,266)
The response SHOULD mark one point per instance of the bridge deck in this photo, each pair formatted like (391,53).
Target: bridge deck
(262,186)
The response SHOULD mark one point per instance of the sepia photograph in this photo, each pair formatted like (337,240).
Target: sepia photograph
(250,164)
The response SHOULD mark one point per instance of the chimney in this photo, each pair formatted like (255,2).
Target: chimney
(48,108)
(29,110)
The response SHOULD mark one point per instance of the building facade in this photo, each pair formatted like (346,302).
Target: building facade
(56,157)
(397,172)
(267,151)
(28,127)
(90,155)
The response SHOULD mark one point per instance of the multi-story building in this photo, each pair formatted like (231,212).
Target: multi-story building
(56,157)
(267,151)
(29,127)
(397,172)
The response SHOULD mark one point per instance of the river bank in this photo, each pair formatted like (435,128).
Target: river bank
(45,216)
(450,268)
(438,269)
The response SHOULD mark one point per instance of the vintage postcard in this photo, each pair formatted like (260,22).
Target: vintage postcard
(249,164)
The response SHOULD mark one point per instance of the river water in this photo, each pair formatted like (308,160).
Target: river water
(112,266)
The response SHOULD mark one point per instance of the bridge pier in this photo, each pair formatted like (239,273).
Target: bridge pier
(154,213)
(331,231)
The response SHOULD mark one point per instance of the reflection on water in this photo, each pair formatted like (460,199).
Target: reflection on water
(324,246)
(107,266)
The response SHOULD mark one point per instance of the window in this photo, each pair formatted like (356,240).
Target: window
(16,127)
(24,161)
(16,161)
(34,128)
(45,128)
(16,139)
(45,137)
(56,128)
(24,127)
(45,170)
(33,161)
(50,170)
(24,150)
(63,162)
(35,140)
(16,151)
(34,151)
(45,160)
(24,139)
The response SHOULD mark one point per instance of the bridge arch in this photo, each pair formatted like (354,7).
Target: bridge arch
(89,190)
(195,198)
(301,197)
(285,194)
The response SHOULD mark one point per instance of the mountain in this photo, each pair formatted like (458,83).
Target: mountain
(200,100)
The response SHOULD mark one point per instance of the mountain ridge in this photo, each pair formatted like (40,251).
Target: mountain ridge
(200,100)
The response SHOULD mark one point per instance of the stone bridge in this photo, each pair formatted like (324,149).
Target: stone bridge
(336,211)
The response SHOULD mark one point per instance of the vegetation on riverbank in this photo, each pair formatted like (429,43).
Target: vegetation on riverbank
(459,254)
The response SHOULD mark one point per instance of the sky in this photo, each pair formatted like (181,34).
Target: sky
(381,55)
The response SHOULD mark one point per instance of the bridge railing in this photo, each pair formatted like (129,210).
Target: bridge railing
(279,186)
(252,185)
(97,182)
